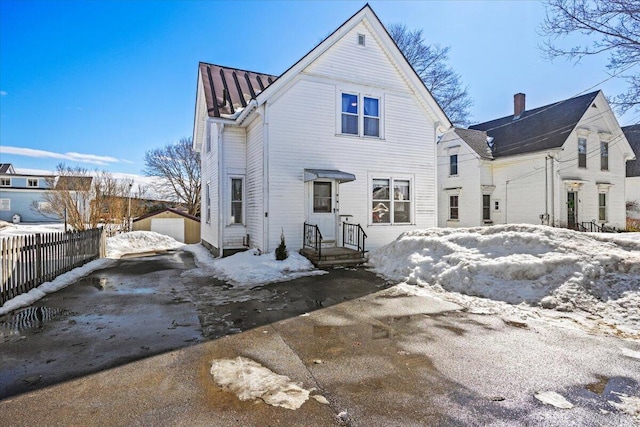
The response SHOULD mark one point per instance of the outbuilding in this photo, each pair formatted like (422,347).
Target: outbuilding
(180,225)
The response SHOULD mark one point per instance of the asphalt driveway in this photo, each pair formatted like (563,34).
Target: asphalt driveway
(379,356)
(140,307)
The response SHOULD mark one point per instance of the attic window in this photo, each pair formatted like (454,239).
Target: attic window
(361,39)
(594,105)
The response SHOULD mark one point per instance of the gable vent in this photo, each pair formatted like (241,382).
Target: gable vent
(361,39)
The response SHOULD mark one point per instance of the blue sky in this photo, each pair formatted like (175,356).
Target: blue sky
(99,83)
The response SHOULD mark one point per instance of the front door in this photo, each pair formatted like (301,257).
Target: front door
(572,209)
(322,208)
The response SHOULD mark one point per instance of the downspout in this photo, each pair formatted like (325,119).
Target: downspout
(553,193)
(265,177)
(220,192)
(506,200)
(436,197)
(546,190)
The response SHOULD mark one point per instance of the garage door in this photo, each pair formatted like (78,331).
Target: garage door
(172,227)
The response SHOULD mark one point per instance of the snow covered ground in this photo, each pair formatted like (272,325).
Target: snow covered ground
(524,272)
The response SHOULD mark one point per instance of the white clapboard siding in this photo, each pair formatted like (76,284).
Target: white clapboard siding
(209,229)
(254,184)
(234,152)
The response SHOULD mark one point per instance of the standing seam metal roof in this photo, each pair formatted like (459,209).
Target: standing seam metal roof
(229,90)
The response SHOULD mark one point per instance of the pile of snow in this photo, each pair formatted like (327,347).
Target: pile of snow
(139,242)
(250,380)
(249,268)
(534,266)
(21,229)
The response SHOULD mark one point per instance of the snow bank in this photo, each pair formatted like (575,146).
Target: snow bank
(139,242)
(531,265)
(249,268)
(250,380)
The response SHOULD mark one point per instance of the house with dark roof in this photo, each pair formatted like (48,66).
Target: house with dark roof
(561,164)
(22,196)
(339,148)
(633,172)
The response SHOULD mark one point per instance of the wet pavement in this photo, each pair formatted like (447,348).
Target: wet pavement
(379,356)
(142,306)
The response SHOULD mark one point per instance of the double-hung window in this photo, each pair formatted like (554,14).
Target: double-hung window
(486,207)
(604,156)
(208,203)
(236,200)
(582,152)
(602,207)
(453,165)
(32,182)
(453,207)
(391,201)
(359,121)
(5,182)
(5,204)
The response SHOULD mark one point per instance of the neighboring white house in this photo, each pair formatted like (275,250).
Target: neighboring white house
(346,135)
(562,164)
(633,172)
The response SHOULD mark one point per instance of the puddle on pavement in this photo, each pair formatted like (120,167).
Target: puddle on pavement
(599,386)
(13,326)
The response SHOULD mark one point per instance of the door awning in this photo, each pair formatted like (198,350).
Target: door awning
(314,174)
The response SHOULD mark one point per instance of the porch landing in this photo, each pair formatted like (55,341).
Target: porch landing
(334,256)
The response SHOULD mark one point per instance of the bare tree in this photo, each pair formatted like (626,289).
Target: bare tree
(69,197)
(430,63)
(177,168)
(610,26)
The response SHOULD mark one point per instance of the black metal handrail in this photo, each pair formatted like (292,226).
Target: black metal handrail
(591,227)
(353,235)
(312,237)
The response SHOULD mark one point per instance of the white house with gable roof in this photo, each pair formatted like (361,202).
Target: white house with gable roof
(342,145)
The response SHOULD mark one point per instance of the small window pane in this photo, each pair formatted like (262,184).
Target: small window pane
(349,103)
(322,197)
(604,156)
(380,189)
(371,127)
(486,207)
(349,124)
(400,190)
(371,107)
(602,207)
(380,213)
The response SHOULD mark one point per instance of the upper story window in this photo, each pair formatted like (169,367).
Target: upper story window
(32,182)
(453,164)
(582,152)
(360,121)
(5,182)
(604,156)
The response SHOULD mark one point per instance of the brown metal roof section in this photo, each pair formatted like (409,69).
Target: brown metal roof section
(228,89)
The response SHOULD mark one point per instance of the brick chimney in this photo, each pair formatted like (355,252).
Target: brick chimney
(518,104)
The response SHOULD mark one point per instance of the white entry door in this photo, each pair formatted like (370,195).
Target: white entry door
(322,208)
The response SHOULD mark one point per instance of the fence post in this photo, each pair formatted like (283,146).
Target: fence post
(39,248)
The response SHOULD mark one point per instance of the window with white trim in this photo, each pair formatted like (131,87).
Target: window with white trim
(208,203)
(32,182)
(391,201)
(486,207)
(453,165)
(5,182)
(237,200)
(5,204)
(454,214)
(604,156)
(360,121)
(602,207)
(582,152)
